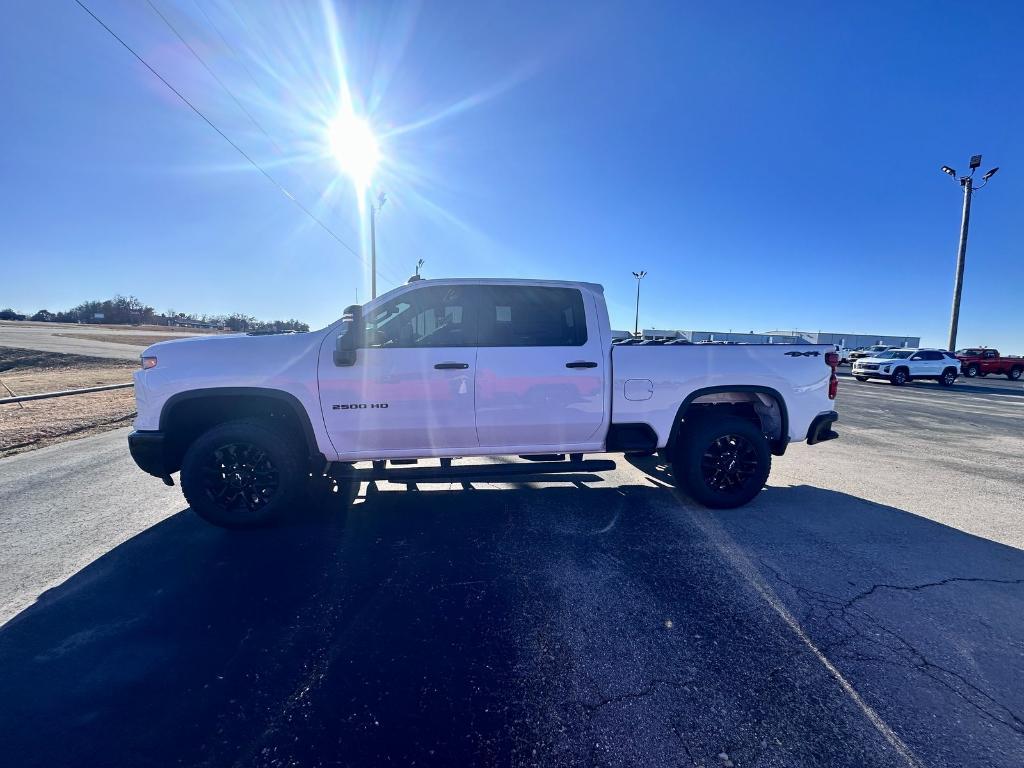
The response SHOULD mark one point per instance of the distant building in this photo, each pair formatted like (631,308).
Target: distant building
(848,340)
(854,340)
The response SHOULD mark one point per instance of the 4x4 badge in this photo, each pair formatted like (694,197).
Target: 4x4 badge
(794,353)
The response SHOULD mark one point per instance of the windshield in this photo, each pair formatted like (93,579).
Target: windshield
(898,354)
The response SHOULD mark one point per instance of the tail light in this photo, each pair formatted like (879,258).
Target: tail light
(832,360)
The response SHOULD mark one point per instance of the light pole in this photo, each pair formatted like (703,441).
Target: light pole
(967,182)
(639,276)
(381,199)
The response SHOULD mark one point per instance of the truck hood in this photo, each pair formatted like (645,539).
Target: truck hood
(234,347)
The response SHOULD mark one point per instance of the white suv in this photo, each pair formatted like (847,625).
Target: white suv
(902,365)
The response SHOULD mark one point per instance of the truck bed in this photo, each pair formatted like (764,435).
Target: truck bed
(650,382)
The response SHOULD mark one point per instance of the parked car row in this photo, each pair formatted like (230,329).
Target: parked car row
(862,352)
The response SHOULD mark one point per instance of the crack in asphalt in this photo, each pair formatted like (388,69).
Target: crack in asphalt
(918,587)
(643,693)
(848,615)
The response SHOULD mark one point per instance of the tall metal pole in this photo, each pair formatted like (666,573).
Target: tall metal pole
(636,325)
(960,256)
(373,250)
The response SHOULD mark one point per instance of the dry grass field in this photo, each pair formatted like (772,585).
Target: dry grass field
(25,426)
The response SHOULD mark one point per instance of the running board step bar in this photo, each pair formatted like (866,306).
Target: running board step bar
(471,471)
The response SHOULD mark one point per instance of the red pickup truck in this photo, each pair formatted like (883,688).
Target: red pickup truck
(981,361)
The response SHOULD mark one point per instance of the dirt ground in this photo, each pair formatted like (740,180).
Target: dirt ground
(25,426)
(138,339)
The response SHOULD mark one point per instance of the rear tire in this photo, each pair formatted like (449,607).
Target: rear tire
(948,377)
(1015,372)
(242,474)
(721,462)
(971,371)
(899,377)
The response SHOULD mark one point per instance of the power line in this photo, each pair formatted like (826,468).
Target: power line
(221,133)
(224,86)
(213,74)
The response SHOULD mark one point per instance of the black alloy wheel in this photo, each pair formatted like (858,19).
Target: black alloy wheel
(239,477)
(243,474)
(729,462)
(721,461)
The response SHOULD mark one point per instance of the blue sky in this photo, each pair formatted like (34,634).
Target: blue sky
(772,165)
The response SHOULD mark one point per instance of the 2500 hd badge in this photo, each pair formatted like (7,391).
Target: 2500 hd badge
(353,406)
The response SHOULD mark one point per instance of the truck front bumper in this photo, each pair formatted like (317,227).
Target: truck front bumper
(148,451)
(821,428)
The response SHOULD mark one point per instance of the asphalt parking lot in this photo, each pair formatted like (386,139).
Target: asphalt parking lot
(866,610)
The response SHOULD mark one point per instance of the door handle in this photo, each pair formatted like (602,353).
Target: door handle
(451,366)
(581,364)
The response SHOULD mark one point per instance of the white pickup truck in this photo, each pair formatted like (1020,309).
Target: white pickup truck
(443,369)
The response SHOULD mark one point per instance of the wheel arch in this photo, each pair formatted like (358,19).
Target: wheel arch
(185,415)
(777,444)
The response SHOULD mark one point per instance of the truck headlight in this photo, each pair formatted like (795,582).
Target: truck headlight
(148,362)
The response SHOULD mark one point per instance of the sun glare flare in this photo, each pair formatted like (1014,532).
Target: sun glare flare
(355,148)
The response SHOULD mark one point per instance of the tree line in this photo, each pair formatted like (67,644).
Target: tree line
(129,310)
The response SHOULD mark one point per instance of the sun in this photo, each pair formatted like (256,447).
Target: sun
(354,148)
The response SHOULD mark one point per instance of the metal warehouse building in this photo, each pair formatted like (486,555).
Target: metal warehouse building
(848,340)
(854,340)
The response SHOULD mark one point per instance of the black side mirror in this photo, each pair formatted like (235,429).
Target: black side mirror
(351,338)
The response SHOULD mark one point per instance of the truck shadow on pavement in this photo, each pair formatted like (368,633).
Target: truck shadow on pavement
(560,626)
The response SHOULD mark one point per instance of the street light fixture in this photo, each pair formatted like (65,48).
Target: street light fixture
(967,182)
(639,276)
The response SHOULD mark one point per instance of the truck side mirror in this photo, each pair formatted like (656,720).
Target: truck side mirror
(351,338)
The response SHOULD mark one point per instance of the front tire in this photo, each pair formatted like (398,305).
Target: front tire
(721,462)
(971,371)
(861,378)
(242,474)
(899,377)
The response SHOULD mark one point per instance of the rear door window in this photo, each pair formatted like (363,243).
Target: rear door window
(531,316)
